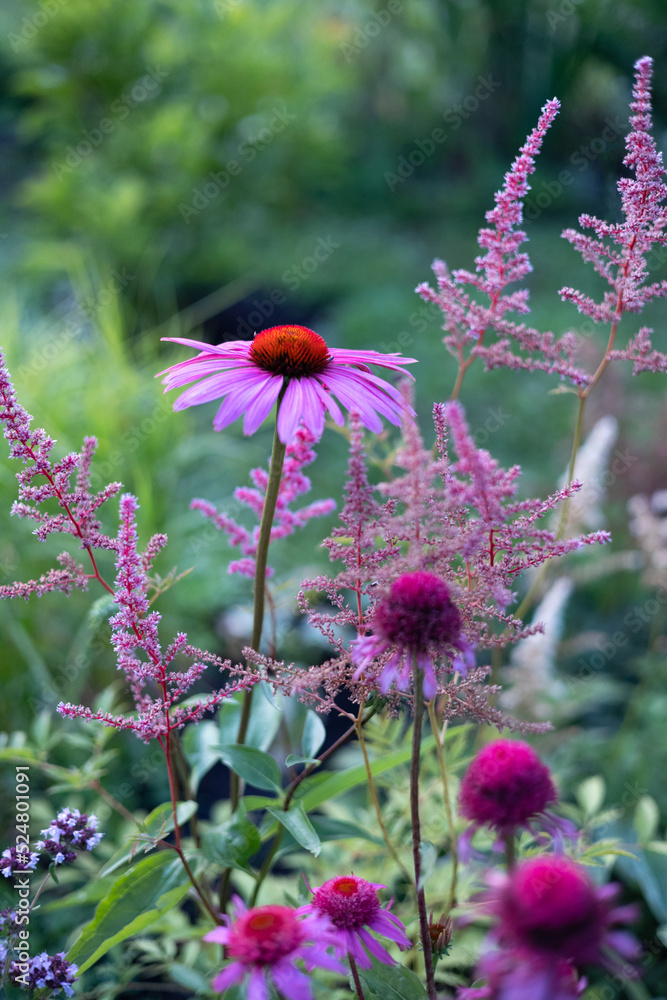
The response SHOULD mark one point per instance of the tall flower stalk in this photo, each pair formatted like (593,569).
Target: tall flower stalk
(424,931)
(263,542)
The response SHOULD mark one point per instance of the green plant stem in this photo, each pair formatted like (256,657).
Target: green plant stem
(355,976)
(378,812)
(184,777)
(266,864)
(198,889)
(264,538)
(453,846)
(536,585)
(424,932)
(347,735)
(96,785)
(510,851)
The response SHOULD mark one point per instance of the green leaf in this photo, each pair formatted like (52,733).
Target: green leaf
(255,766)
(262,725)
(253,802)
(328,828)
(590,795)
(92,892)
(314,733)
(20,753)
(343,781)
(659,846)
(392,982)
(200,745)
(192,980)
(297,823)
(294,758)
(136,899)
(646,818)
(156,826)
(233,843)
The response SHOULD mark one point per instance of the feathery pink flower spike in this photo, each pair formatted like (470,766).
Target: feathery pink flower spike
(467,318)
(251,375)
(78,505)
(155,686)
(624,266)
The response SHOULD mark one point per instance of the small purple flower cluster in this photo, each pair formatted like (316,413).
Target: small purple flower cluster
(42,971)
(13,861)
(70,829)
(45,971)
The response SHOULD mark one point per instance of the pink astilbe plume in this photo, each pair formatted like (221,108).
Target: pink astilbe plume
(458,518)
(618,253)
(467,314)
(488,535)
(155,687)
(455,522)
(42,480)
(293,484)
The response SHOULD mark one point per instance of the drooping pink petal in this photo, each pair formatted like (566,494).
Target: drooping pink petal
(261,406)
(257,986)
(234,973)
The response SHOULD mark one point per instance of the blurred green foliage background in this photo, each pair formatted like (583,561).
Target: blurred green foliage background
(213,168)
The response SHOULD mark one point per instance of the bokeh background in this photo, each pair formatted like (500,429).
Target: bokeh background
(211,168)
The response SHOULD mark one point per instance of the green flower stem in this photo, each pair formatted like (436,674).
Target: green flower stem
(306,773)
(510,851)
(562,522)
(268,511)
(378,812)
(453,846)
(266,864)
(424,932)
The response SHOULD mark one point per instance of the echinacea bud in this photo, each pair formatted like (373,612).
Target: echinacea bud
(441,934)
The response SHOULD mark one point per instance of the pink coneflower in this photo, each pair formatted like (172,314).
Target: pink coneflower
(550,921)
(353,906)
(250,375)
(265,942)
(417,618)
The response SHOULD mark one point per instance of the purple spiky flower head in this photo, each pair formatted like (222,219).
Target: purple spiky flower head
(505,786)
(417,619)
(550,920)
